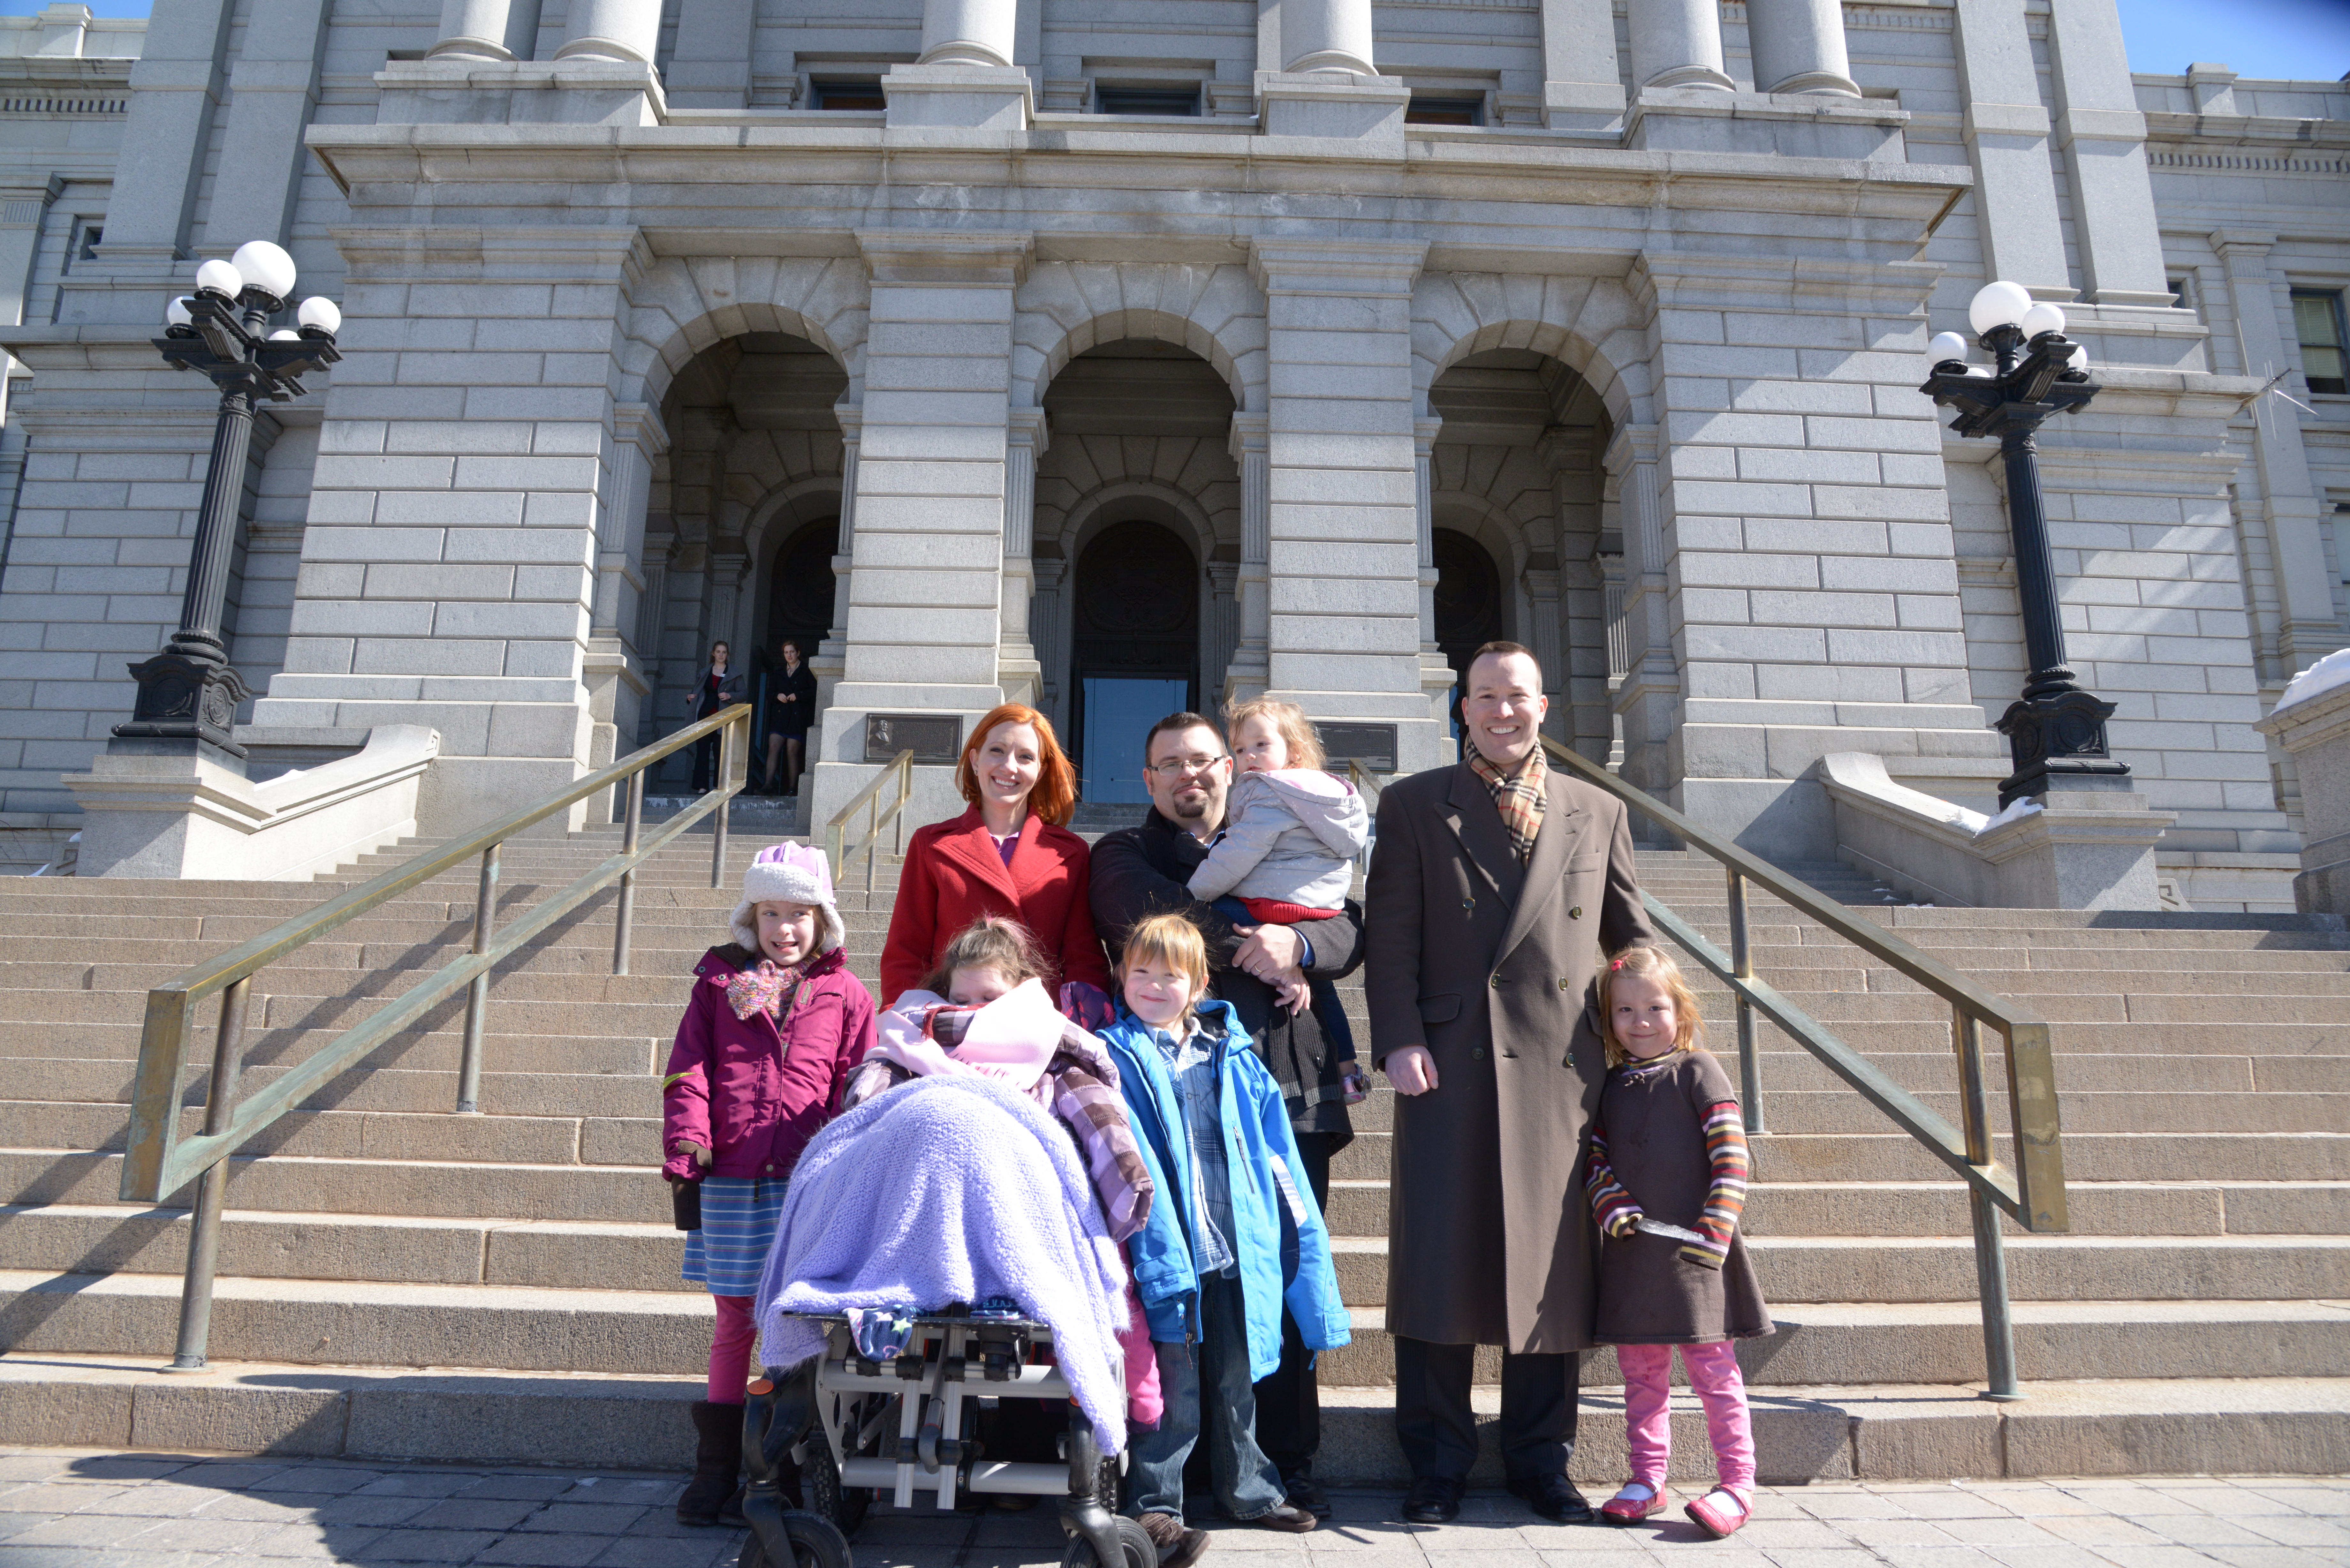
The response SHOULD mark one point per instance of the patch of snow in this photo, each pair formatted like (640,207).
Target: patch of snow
(2016,812)
(2321,677)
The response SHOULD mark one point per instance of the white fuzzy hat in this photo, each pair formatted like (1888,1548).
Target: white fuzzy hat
(787,874)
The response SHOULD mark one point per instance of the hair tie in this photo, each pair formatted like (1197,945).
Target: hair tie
(1615,964)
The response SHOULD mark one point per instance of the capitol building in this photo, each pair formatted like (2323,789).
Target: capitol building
(1119,356)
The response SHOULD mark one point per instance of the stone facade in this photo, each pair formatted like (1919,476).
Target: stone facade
(1052,349)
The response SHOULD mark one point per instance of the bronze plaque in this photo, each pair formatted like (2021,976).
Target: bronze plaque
(1373,745)
(932,737)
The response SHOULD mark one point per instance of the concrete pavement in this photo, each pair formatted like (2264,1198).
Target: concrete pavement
(63,1508)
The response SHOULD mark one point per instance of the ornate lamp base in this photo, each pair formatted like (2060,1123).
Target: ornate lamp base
(185,699)
(2058,740)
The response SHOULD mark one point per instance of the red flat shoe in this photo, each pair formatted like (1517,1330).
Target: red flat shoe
(1715,1518)
(1626,1509)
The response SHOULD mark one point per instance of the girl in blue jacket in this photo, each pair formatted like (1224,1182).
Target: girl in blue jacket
(1235,1235)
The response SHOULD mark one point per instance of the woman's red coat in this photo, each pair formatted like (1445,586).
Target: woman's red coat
(954,874)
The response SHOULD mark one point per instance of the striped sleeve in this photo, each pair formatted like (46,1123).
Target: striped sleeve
(1611,1206)
(1725,1149)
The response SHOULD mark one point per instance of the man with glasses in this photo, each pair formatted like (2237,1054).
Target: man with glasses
(1143,871)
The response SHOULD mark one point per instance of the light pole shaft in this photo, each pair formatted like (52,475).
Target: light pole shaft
(201,607)
(2035,566)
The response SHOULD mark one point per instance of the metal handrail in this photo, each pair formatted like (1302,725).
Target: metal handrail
(1366,785)
(2032,1190)
(159,1160)
(900,769)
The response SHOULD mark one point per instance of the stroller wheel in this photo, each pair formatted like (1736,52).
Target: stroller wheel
(816,1543)
(1140,1551)
(842,1507)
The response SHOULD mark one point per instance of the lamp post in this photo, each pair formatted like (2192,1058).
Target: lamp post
(2055,731)
(187,694)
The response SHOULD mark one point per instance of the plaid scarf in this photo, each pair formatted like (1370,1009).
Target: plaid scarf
(1521,799)
(767,989)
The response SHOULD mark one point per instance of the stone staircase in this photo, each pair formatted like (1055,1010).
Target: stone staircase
(400,1281)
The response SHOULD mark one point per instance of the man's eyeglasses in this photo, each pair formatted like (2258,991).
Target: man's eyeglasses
(1176,767)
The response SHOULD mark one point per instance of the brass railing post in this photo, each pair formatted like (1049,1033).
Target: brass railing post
(1742,959)
(628,904)
(1991,1246)
(477,993)
(725,778)
(211,1191)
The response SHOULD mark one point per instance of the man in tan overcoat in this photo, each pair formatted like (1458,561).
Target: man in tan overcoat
(1495,888)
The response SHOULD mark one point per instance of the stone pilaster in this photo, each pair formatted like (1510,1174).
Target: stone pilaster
(273,92)
(2289,504)
(1581,88)
(710,67)
(1249,671)
(1649,698)
(925,614)
(1343,554)
(175,89)
(2103,137)
(2007,130)
(1016,667)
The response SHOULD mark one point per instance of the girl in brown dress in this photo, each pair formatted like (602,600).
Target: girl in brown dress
(1668,1179)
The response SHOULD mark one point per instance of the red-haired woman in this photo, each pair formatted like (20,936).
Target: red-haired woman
(1008,855)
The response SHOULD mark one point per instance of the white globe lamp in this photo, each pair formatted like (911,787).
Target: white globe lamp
(1945,348)
(319,314)
(2042,317)
(220,277)
(1998,304)
(178,316)
(266,267)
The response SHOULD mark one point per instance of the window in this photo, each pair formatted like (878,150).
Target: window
(83,247)
(1445,108)
(2317,322)
(845,92)
(1179,100)
(2180,298)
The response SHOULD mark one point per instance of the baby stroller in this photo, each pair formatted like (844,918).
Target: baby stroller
(858,1429)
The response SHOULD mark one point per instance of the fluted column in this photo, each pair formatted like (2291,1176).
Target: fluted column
(1016,668)
(612,30)
(831,655)
(1223,624)
(486,30)
(969,32)
(726,569)
(1678,44)
(1326,36)
(1798,47)
(1045,634)
(1252,661)
(1436,676)
(1649,698)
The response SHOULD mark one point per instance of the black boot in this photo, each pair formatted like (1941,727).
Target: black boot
(717,1462)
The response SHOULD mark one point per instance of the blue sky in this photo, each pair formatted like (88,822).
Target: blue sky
(2308,39)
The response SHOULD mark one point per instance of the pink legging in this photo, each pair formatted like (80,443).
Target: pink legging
(730,1350)
(1713,1373)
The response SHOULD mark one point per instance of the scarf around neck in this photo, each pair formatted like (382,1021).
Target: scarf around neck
(767,989)
(1521,799)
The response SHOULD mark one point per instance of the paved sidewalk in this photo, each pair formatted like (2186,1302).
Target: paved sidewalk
(69,1509)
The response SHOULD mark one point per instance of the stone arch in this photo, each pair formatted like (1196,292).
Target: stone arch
(1592,325)
(680,306)
(1088,515)
(1064,308)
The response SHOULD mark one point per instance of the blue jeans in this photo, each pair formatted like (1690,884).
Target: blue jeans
(1247,1483)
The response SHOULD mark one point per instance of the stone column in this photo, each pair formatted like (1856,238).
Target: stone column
(1044,628)
(2007,128)
(1581,89)
(1326,36)
(22,210)
(175,88)
(1542,635)
(726,571)
(1248,673)
(486,30)
(1649,696)
(1678,44)
(831,655)
(965,78)
(2103,137)
(1222,632)
(925,613)
(1343,557)
(2289,507)
(1016,667)
(625,30)
(273,91)
(1436,678)
(652,612)
(2315,733)
(614,667)
(981,33)
(1798,47)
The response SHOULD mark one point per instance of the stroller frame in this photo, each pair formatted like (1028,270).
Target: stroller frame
(949,1359)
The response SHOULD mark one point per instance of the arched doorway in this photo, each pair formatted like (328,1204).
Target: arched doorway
(1134,650)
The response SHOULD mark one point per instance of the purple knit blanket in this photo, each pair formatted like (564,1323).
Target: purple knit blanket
(951,1189)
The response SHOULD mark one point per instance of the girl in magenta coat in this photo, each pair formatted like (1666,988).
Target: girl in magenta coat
(773,1025)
